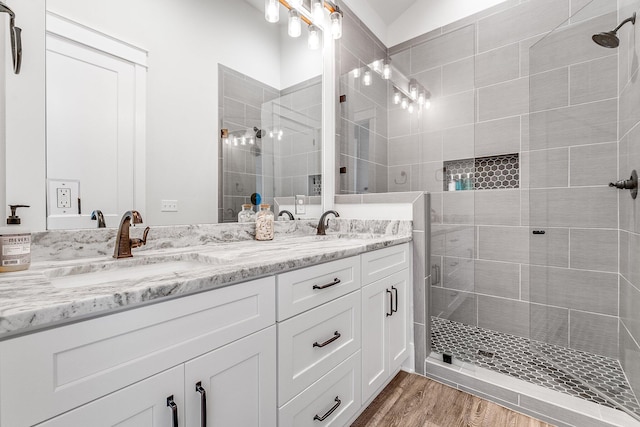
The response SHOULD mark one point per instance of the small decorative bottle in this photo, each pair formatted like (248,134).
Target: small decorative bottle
(459,182)
(264,223)
(246,214)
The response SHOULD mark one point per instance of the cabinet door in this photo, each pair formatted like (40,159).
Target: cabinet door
(397,323)
(375,365)
(143,404)
(239,380)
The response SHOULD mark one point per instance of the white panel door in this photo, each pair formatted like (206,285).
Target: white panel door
(143,404)
(92,113)
(376,304)
(239,382)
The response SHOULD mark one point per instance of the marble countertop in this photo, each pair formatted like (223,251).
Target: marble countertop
(29,301)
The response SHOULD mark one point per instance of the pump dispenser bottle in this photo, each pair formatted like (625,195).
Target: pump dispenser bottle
(15,244)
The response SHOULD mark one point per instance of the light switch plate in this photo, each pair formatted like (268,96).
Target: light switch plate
(168,206)
(301,207)
(63,196)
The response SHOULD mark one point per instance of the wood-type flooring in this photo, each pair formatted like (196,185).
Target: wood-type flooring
(412,400)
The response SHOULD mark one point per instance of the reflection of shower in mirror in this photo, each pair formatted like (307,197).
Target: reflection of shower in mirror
(403,178)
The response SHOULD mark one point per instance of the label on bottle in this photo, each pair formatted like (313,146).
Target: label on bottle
(15,249)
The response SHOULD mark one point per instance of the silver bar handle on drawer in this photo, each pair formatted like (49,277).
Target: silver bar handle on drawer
(325,416)
(336,335)
(174,410)
(203,404)
(328,285)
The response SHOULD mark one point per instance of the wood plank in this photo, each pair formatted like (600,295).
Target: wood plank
(412,400)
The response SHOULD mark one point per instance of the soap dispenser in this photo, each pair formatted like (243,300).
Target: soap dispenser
(15,244)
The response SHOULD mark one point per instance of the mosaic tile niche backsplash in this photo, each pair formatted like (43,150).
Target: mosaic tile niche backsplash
(483,173)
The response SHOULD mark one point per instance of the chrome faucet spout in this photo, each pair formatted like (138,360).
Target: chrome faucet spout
(287,213)
(124,244)
(98,216)
(324,222)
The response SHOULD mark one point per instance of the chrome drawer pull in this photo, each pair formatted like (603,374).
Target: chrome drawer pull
(174,410)
(324,417)
(203,404)
(328,285)
(336,335)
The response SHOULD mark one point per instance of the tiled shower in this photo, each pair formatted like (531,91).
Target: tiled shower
(543,271)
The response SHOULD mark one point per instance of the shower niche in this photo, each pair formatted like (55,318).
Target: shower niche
(482,173)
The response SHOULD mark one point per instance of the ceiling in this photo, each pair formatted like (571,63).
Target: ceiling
(389,11)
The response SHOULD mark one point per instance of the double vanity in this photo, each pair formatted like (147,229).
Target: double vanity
(204,326)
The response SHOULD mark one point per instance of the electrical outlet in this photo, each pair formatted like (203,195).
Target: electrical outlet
(300,207)
(63,197)
(168,206)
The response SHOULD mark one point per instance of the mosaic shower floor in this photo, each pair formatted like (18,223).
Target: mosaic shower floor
(559,368)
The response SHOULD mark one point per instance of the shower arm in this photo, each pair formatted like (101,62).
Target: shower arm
(631,19)
(15,34)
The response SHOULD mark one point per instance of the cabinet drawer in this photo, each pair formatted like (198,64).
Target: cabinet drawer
(304,289)
(53,371)
(313,343)
(384,262)
(341,384)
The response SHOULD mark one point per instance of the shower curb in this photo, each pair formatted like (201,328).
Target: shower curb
(550,406)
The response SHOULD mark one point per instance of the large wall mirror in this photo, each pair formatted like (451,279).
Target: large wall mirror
(181,110)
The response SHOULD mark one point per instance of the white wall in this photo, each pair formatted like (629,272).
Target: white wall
(297,62)
(185,44)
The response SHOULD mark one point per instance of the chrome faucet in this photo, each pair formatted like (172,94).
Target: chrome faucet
(97,215)
(123,243)
(324,222)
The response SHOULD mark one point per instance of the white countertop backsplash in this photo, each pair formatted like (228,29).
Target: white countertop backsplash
(225,254)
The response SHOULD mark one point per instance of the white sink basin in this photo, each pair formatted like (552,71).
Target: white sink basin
(118,273)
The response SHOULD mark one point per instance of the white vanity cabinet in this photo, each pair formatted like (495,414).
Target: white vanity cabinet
(58,370)
(385,316)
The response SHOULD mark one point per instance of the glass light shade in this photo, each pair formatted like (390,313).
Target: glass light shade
(295,3)
(235,141)
(356,73)
(410,108)
(225,141)
(280,134)
(377,66)
(427,103)
(336,25)
(396,98)
(413,90)
(243,140)
(271,134)
(386,71)
(366,79)
(271,10)
(404,103)
(252,141)
(295,27)
(421,98)
(314,37)
(317,11)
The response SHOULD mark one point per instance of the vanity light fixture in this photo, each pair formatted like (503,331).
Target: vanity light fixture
(295,27)
(386,70)
(427,103)
(224,135)
(410,108)
(235,141)
(271,11)
(377,66)
(404,103)
(280,135)
(366,78)
(356,73)
(317,10)
(413,89)
(421,98)
(314,37)
(336,24)
(296,4)
(396,97)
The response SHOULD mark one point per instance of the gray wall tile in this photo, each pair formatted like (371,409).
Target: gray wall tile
(509,244)
(458,273)
(585,207)
(453,305)
(497,65)
(442,50)
(419,340)
(594,333)
(458,76)
(500,279)
(503,315)
(450,111)
(551,248)
(630,358)
(526,20)
(503,100)
(545,168)
(549,89)
(497,207)
(594,80)
(594,164)
(630,307)
(594,249)
(458,207)
(566,126)
(497,137)
(576,289)
(458,142)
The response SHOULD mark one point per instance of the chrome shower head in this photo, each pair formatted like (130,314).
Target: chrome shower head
(609,38)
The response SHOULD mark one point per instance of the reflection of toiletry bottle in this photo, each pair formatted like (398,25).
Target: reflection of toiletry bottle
(451,185)
(468,182)
(459,183)
(15,244)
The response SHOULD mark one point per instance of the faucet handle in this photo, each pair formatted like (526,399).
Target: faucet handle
(136,243)
(136,218)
